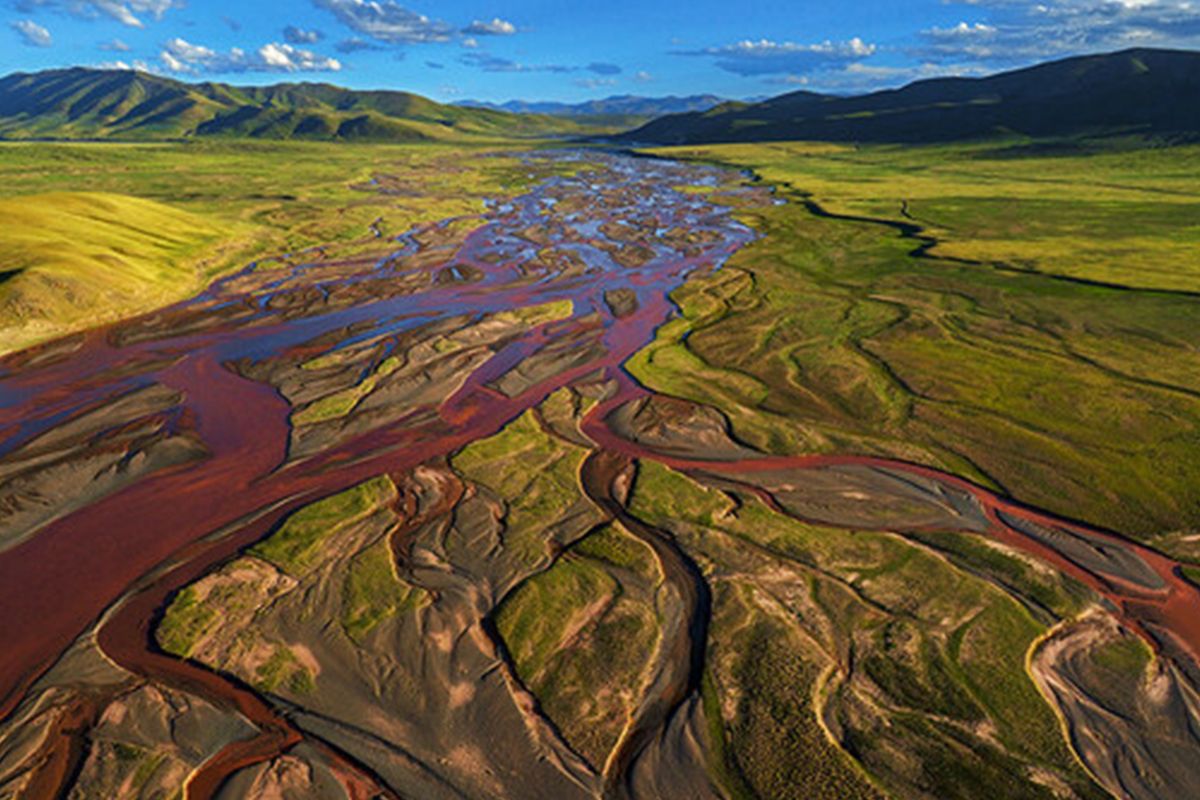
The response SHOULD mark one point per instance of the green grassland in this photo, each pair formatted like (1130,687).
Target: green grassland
(184,622)
(1063,367)
(100,231)
(72,256)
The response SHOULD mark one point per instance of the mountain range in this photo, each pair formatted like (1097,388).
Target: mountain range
(84,103)
(1139,91)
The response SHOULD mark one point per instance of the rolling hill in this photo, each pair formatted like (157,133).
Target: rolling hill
(84,103)
(74,259)
(1139,91)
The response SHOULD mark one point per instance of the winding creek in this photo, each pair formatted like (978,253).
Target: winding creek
(624,238)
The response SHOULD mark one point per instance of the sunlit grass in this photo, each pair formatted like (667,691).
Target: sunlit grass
(1024,373)
(298,541)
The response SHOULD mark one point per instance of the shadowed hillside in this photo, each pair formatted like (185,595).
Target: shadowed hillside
(88,104)
(1135,91)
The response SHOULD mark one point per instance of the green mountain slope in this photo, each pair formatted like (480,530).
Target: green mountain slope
(111,104)
(1136,91)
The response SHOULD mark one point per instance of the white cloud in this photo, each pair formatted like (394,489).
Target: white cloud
(767,57)
(286,58)
(32,34)
(115,46)
(137,65)
(789,80)
(962,31)
(387,21)
(127,12)
(495,27)
(643,77)
(180,55)
(1014,31)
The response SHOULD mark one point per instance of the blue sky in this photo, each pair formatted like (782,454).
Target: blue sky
(557,50)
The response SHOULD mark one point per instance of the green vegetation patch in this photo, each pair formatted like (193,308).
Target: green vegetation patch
(613,546)
(283,670)
(580,642)
(536,474)
(293,547)
(373,592)
(97,232)
(535,618)
(776,743)
(185,623)
(340,404)
(532,316)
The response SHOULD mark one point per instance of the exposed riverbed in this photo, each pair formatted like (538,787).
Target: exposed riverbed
(138,457)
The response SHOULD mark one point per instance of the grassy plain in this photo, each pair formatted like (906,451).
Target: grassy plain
(1048,349)
(171,217)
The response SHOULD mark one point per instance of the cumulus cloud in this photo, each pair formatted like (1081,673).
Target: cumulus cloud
(180,55)
(127,12)
(115,46)
(642,76)
(766,57)
(494,27)
(32,34)
(135,66)
(387,21)
(294,35)
(1014,31)
(491,63)
(286,58)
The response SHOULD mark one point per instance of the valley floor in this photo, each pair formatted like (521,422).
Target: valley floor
(575,474)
